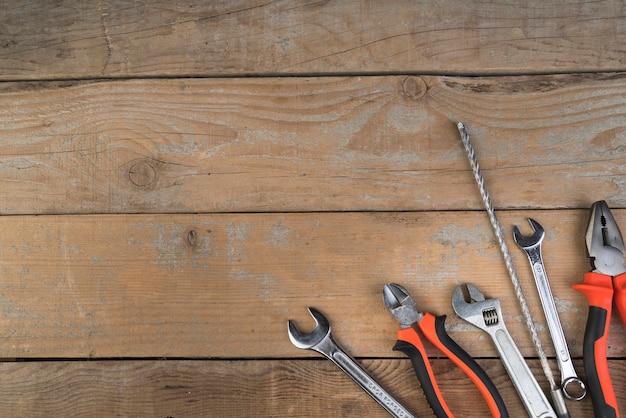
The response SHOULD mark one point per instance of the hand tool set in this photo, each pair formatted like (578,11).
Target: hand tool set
(603,286)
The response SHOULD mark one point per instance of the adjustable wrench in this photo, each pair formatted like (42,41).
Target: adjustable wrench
(487,316)
(532,247)
(322,341)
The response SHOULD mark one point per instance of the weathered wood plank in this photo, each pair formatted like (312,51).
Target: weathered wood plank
(310,144)
(75,39)
(225,285)
(293,388)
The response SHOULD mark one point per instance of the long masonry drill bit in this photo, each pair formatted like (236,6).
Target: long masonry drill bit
(557,395)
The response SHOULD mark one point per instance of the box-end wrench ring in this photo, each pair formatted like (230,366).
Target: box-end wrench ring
(532,247)
(321,340)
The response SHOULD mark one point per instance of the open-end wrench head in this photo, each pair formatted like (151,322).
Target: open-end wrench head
(308,341)
(529,241)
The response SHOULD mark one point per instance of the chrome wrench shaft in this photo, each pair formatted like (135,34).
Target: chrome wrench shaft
(322,341)
(532,247)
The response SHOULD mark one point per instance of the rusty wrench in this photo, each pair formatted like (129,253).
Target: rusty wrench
(322,341)
(532,247)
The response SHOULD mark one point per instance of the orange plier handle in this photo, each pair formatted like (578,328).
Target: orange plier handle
(434,330)
(601,291)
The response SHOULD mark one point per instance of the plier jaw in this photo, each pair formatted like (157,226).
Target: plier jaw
(605,244)
(401,305)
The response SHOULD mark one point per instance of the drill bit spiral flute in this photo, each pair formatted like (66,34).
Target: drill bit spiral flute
(556,393)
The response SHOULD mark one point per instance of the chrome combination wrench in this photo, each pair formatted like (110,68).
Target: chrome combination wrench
(321,340)
(486,315)
(532,247)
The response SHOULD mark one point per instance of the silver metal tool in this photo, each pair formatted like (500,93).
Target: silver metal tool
(321,340)
(555,391)
(487,316)
(571,385)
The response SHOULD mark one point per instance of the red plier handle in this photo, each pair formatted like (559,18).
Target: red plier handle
(433,328)
(601,290)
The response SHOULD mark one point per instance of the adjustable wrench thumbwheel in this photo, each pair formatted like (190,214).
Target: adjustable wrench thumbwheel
(321,340)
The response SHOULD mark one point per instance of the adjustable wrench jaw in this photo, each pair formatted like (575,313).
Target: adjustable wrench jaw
(483,314)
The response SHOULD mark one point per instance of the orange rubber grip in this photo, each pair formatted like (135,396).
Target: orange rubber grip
(410,343)
(434,330)
(598,289)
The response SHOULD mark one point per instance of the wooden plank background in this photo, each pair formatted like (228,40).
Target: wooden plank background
(179,180)
(72,39)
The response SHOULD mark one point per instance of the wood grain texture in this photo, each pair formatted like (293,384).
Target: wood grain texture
(294,388)
(311,144)
(74,39)
(178,179)
(225,285)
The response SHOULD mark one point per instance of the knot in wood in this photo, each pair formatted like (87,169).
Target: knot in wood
(142,173)
(192,238)
(414,88)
